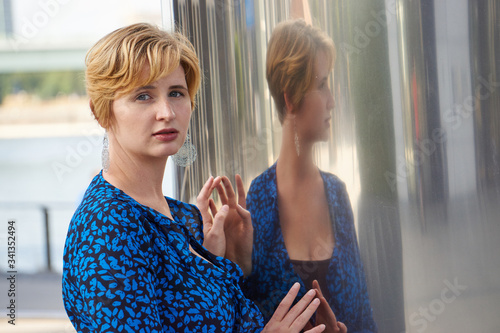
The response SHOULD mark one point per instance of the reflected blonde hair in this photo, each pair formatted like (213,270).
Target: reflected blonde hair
(115,65)
(291,53)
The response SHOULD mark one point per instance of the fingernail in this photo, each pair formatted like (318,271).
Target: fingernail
(316,301)
(311,292)
(225,208)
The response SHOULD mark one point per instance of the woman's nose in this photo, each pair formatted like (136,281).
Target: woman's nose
(331,101)
(165,112)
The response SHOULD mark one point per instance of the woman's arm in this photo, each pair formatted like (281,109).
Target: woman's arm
(111,277)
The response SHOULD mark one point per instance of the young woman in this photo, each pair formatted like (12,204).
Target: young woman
(302,216)
(134,260)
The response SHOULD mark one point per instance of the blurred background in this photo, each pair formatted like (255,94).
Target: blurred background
(415,136)
(50,145)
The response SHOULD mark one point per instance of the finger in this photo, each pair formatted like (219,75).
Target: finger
(309,326)
(342,327)
(285,303)
(229,189)
(299,308)
(303,318)
(220,217)
(244,214)
(216,182)
(319,328)
(222,193)
(325,314)
(212,206)
(316,286)
(241,192)
(205,190)
(203,204)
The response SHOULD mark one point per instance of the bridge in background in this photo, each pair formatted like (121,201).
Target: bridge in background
(41,60)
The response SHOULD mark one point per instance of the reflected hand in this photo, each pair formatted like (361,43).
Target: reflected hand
(293,320)
(325,315)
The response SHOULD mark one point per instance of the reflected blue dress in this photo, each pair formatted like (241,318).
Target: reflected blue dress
(128,268)
(273,273)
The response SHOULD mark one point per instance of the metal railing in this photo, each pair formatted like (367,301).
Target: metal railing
(47,218)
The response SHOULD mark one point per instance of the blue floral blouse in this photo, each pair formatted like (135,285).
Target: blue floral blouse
(272,272)
(128,268)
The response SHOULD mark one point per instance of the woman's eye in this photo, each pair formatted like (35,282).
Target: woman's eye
(143,97)
(176,94)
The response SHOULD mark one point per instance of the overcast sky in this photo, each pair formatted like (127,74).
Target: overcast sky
(79,21)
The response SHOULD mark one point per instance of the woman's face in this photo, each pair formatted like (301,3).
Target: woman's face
(152,121)
(314,114)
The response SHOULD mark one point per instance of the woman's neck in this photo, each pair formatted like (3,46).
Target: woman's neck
(293,166)
(141,180)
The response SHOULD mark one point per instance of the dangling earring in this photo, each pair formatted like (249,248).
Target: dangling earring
(186,154)
(105,153)
(296,138)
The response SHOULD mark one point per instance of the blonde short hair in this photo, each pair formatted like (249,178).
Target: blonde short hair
(115,63)
(291,53)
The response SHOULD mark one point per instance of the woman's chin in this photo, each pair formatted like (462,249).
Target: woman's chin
(324,138)
(164,154)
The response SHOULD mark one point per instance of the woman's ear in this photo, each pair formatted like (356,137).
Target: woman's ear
(91,105)
(288,104)
(92,108)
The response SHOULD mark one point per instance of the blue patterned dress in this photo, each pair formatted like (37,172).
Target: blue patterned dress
(128,268)
(273,274)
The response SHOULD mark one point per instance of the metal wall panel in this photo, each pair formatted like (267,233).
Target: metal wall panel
(415,135)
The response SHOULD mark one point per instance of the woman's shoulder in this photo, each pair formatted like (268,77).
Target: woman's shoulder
(183,208)
(265,180)
(332,180)
(100,195)
(104,205)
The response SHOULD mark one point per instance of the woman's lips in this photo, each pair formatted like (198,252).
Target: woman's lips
(166,135)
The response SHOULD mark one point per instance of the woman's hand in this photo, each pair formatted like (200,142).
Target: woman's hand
(294,320)
(325,315)
(228,232)
(213,228)
(238,226)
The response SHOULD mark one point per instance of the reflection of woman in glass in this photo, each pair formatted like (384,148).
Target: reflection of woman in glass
(302,217)
(134,260)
